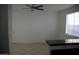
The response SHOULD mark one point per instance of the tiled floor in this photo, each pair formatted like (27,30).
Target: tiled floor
(31,49)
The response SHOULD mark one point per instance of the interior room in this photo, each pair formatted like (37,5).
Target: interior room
(40,29)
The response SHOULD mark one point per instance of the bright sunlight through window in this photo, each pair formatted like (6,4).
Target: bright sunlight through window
(72,24)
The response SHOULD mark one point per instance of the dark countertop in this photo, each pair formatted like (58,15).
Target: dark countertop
(62,42)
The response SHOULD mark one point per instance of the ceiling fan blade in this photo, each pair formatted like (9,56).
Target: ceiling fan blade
(33,5)
(40,6)
(28,5)
(40,9)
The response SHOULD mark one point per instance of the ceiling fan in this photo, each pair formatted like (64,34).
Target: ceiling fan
(35,7)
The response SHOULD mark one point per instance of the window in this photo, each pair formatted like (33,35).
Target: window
(72,24)
(72,41)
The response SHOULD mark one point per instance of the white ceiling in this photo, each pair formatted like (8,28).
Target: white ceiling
(48,7)
(58,7)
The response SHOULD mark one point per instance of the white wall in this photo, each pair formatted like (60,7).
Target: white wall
(36,26)
(62,21)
